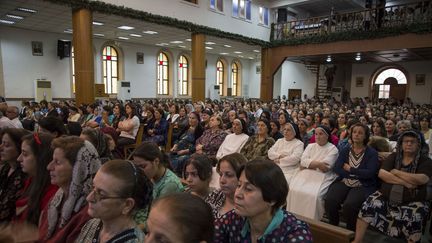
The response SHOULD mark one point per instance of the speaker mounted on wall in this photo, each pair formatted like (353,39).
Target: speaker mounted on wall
(64,48)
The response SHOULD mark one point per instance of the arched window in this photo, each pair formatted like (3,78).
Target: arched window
(183,76)
(110,69)
(220,76)
(73,69)
(234,78)
(383,83)
(162,74)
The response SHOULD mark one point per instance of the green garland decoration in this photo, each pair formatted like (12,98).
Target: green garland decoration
(123,11)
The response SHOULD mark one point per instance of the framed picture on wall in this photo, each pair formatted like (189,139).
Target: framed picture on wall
(258,69)
(420,79)
(359,82)
(37,48)
(140,57)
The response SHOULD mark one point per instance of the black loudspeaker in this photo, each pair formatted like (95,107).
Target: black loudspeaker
(64,48)
(282,15)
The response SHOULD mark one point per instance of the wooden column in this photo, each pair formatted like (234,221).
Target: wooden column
(83,54)
(198,67)
(266,91)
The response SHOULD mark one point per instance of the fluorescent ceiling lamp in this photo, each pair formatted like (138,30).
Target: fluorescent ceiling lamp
(176,42)
(101,35)
(227,46)
(251,58)
(135,35)
(210,43)
(238,52)
(123,38)
(150,32)
(27,10)
(188,39)
(97,23)
(68,31)
(209,48)
(12,16)
(257,51)
(240,56)
(3,21)
(223,53)
(182,46)
(125,27)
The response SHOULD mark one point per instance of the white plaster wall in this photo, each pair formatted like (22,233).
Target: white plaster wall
(21,68)
(254,81)
(419,94)
(202,15)
(277,80)
(297,76)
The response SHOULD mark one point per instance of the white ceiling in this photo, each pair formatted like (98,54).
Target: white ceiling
(58,18)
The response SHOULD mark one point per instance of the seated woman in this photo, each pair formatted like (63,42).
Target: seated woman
(330,123)
(235,141)
(400,207)
(303,124)
(155,165)
(180,218)
(74,164)
(157,132)
(197,175)
(259,144)
(357,167)
(222,200)
(212,138)
(99,141)
(288,151)
(12,177)
(118,115)
(185,145)
(179,124)
(276,130)
(309,185)
(119,188)
(257,214)
(378,128)
(93,118)
(128,128)
(36,154)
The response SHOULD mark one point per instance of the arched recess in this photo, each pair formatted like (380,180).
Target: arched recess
(164,68)
(184,72)
(120,64)
(389,81)
(222,76)
(236,78)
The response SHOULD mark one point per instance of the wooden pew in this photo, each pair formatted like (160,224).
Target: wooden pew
(327,233)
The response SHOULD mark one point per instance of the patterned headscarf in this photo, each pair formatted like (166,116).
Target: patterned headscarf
(86,165)
(399,151)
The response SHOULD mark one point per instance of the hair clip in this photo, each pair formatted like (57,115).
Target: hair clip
(36,138)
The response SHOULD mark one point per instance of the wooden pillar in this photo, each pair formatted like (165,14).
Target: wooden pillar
(266,91)
(83,54)
(198,67)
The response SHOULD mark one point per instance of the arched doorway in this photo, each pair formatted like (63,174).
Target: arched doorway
(389,82)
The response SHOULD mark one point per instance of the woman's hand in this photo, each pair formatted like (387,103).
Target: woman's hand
(346,167)
(182,152)
(324,167)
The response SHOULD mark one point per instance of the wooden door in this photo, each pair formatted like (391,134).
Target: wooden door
(294,93)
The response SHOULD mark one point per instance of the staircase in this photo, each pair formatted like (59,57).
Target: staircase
(322,91)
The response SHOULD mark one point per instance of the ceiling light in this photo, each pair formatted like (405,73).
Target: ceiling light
(257,51)
(135,35)
(188,39)
(101,35)
(329,59)
(209,48)
(68,31)
(210,43)
(357,58)
(162,44)
(176,42)
(123,38)
(227,46)
(240,56)
(238,52)
(97,23)
(251,58)
(182,46)
(150,32)
(14,16)
(223,53)
(3,21)
(125,27)
(27,10)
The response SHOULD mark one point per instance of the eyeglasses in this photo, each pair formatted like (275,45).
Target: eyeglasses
(99,197)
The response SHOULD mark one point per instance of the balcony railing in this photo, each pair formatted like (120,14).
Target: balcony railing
(366,20)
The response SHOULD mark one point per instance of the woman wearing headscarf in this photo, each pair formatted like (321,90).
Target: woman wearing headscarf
(287,152)
(400,207)
(235,141)
(309,185)
(74,164)
(99,141)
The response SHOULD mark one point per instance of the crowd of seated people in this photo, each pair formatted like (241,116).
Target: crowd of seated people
(64,178)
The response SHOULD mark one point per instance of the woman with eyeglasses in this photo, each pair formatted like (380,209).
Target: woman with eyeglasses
(74,164)
(119,188)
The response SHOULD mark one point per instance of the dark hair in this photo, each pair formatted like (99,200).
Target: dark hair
(133,107)
(332,122)
(269,178)
(99,141)
(121,108)
(135,184)
(276,122)
(53,124)
(286,115)
(267,123)
(40,145)
(74,128)
(161,112)
(266,115)
(366,130)
(191,214)
(70,146)
(236,160)
(150,151)
(203,165)
(382,127)
(15,135)
(107,109)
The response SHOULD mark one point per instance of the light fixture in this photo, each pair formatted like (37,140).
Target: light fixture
(227,46)
(162,44)
(176,42)
(238,52)
(182,46)
(240,56)
(68,31)
(101,35)
(209,48)
(12,16)
(329,59)
(188,39)
(223,53)
(3,21)
(135,35)
(27,10)
(257,51)
(251,58)
(358,57)
(97,23)
(125,27)
(123,38)
(150,32)
(210,43)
